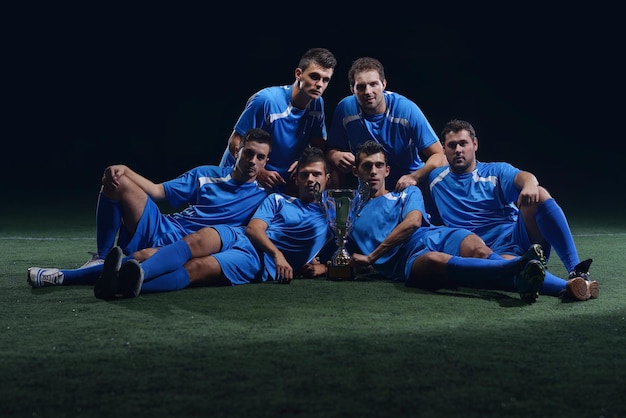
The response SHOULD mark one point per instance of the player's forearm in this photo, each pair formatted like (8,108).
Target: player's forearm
(259,238)
(398,236)
(434,161)
(155,191)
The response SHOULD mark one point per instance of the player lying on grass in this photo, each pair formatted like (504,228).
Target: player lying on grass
(283,235)
(126,205)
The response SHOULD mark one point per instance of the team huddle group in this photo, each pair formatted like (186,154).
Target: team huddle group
(433,216)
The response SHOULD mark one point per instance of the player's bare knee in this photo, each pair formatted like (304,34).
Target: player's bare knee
(205,271)
(481,251)
(144,254)
(194,241)
(543,194)
(474,246)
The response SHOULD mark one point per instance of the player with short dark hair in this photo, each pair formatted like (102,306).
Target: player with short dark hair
(284,233)
(292,114)
(373,113)
(507,208)
(127,206)
(404,247)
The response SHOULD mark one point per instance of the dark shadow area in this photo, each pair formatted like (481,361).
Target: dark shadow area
(160,90)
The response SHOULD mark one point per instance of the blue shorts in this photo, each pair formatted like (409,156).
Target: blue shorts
(238,258)
(440,239)
(513,240)
(154,229)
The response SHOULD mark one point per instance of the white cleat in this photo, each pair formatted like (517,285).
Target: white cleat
(95,260)
(39,277)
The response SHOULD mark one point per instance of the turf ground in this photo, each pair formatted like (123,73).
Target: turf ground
(315,348)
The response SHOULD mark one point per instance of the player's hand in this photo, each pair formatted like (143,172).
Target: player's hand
(313,269)
(270,179)
(345,162)
(284,272)
(360,261)
(528,196)
(111,175)
(404,182)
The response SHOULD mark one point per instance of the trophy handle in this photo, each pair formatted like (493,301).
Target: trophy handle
(364,191)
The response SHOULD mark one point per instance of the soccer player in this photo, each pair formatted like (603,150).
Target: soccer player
(127,206)
(372,112)
(507,208)
(282,236)
(404,247)
(292,114)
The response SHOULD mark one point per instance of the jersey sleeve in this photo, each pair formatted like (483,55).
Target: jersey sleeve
(423,131)
(413,200)
(254,114)
(268,208)
(183,189)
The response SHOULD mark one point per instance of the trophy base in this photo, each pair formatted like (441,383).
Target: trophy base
(340,273)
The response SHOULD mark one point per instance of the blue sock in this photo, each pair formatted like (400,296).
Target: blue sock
(168,258)
(85,276)
(108,222)
(552,285)
(174,280)
(555,229)
(481,273)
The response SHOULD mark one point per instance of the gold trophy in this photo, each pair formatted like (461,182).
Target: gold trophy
(340,206)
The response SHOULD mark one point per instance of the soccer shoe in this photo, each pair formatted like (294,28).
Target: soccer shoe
(93,261)
(38,277)
(530,280)
(579,289)
(582,270)
(130,279)
(535,252)
(107,285)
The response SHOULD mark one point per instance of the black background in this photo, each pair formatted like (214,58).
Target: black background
(160,89)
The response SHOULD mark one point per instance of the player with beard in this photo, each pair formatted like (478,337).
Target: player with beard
(507,208)
(391,233)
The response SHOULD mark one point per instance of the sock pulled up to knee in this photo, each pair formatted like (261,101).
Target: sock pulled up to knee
(555,229)
(174,280)
(483,273)
(108,222)
(168,258)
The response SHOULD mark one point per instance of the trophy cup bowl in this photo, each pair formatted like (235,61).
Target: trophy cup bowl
(340,207)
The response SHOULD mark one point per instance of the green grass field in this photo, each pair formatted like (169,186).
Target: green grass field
(315,348)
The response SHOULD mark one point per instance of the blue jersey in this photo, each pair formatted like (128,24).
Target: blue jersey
(298,229)
(482,201)
(291,128)
(213,197)
(375,221)
(403,130)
